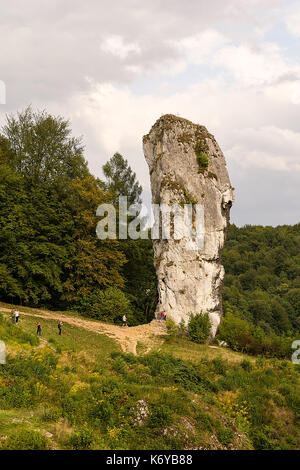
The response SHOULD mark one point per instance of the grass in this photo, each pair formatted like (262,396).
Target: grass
(188,351)
(74,339)
(86,393)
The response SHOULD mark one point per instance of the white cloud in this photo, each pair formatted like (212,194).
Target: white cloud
(266,147)
(199,47)
(116,46)
(292,19)
(255,66)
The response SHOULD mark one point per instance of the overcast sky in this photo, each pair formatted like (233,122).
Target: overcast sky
(114,67)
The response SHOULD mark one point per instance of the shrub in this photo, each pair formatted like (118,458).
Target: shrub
(202,157)
(202,160)
(172,328)
(234,330)
(199,328)
(243,336)
(160,417)
(81,439)
(108,305)
(225,436)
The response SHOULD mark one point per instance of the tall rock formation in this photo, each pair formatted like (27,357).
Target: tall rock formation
(187,166)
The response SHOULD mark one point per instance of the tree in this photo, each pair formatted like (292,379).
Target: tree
(92,264)
(107,305)
(121,180)
(49,252)
(138,272)
(42,149)
(34,236)
(199,327)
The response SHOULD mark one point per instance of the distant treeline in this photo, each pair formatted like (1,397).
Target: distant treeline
(262,281)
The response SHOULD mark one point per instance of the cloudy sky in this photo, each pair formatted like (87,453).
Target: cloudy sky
(114,67)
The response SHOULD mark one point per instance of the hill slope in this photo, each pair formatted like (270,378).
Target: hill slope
(81,390)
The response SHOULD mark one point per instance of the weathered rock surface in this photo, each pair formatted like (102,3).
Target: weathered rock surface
(187,166)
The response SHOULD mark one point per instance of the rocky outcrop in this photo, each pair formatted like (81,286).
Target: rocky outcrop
(188,167)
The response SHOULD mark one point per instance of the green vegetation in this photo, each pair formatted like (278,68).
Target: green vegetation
(106,306)
(49,253)
(195,397)
(262,289)
(199,327)
(202,159)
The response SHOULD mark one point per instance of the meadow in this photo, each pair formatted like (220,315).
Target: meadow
(80,391)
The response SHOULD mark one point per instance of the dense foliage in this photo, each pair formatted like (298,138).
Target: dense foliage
(199,327)
(262,279)
(49,253)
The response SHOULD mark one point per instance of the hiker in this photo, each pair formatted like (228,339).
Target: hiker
(124,319)
(38,329)
(13,316)
(60,324)
(161,315)
(17,315)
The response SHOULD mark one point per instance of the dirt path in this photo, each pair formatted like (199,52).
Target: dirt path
(127,337)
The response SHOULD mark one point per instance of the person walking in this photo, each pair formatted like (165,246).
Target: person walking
(17,315)
(38,329)
(124,319)
(59,326)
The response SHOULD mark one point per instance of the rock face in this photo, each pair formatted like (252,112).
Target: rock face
(187,167)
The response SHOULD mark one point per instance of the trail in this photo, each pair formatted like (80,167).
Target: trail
(127,337)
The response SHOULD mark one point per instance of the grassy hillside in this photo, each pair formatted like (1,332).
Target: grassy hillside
(81,391)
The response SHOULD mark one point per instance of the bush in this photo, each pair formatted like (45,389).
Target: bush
(81,439)
(160,417)
(243,336)
(233,330)
(202,160)
(199,328)
(225,435)
(172,328)
(108,305)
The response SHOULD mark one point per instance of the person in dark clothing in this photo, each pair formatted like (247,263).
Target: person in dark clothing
(38,329)
(59,326)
